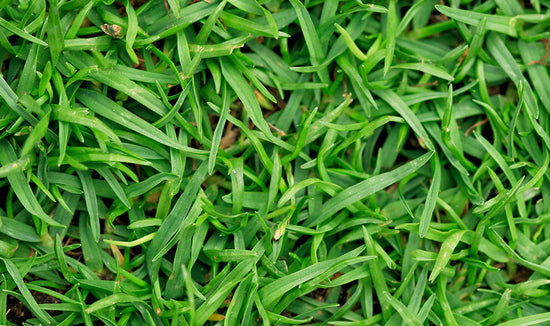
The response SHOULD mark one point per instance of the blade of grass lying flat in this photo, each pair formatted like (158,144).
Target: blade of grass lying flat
(21,187)
(228,255)
(365,96)
(487,247)
(232,315)
(237,184)
(131,31)
(426,68)
(365,132)
(277,65)
(110,301)
(227,285)
(499,159)
(207,26)
(9,96)
(287,320)
(77,22)
(28,74)
(90,248)
(36,135)
(378,281)
(12,167)
(544,270)
(115,185)
(55,34)
(189,14)
(538,175)
(501,24)
(216,138)
(137,189)
(100,43)
(445,252)
(368,187)
(297,187)
(275,182)
(166,77)
(431,199)
(537,319)
(175,220)
(33,305)
(409,318)
(6,43)
(246,25)
(249,74)
(245,93)
(79,155)
(281,293)
(502,55)
(251,136)
(351,44)
(116,113)
(538,73)
(252,7)
(60,255)
(74,116)
(133,243)
(21,33)
(18,230)
(411,13)
(311,37)
(444,302)
(391,31)
(398,105)
(130,88)
(91,201)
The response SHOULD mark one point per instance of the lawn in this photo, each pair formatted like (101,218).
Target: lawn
(271,162)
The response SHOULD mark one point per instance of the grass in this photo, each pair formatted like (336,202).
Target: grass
(244,162)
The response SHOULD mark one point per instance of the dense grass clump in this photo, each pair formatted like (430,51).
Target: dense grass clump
(253,162)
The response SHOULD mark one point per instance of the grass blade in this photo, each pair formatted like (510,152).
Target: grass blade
(368,187)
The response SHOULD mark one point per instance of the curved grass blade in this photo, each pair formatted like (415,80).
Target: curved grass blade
(310,33)
(21,187)
(431,199)
(116,113)
(445,252)
(391,31)
(115,185)
(90,199)
(112,300)
(216,138)
(245,93)
(368,187)
(426,68)
(501,24)
(33,305)
(398,105)
(21,33)
(537,319)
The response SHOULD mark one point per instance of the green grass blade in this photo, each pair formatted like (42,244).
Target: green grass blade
(431,199)
(91,201)
(368,187)
(33,305)
(445,252)
(21,33)
(21,187)
(501,24)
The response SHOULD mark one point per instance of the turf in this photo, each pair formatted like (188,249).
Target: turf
(269,162)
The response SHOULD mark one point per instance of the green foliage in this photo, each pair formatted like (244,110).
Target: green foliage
(245,162)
